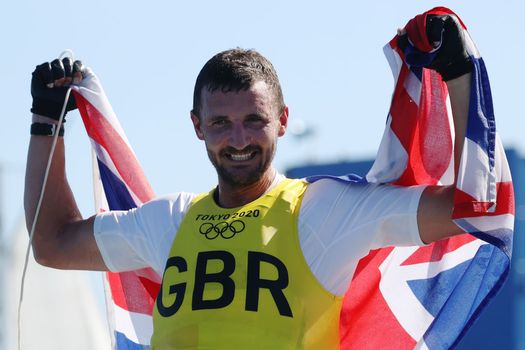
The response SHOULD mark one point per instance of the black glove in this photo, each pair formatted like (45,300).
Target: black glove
(452,59)
(48,97)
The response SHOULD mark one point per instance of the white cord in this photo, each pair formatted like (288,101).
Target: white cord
(67,52)
(39,204)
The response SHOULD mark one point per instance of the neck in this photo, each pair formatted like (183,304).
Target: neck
(231,196)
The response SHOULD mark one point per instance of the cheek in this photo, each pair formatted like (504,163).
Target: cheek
(215,141)
(211,143)
(269,143)
(213,137)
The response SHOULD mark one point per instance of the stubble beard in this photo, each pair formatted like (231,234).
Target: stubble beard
(240,177)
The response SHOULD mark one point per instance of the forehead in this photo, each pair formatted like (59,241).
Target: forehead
(256,99)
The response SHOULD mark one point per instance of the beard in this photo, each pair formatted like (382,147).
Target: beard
(242,176)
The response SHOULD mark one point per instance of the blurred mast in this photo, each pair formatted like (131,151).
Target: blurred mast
(3,260)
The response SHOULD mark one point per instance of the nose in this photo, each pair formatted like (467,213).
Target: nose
(239,137)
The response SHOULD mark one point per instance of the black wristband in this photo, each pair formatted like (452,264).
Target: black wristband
(45,129)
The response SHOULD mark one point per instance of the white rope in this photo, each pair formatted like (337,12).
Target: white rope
(67,53)
(39,204)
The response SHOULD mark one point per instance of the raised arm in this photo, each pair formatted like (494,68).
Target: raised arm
(454,65)
(62,239)
(436,204)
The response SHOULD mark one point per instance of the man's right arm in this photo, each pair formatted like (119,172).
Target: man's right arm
(62,239)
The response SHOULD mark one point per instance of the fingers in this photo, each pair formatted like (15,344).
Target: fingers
(57,69)
(59,73)
(77,72)
(43,74)
(68,71)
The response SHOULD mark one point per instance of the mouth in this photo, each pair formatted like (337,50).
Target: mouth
(241,156)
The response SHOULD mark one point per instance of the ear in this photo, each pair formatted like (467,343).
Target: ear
(197,125)
(283,121)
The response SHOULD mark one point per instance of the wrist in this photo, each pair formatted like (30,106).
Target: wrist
(461,83)
(46,129)
(38,118)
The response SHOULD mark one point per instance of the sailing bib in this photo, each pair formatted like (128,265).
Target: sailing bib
(236,278)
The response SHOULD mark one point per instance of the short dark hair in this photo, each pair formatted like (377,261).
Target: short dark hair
(235,70)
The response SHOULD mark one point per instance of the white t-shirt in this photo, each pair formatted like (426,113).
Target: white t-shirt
(339,223)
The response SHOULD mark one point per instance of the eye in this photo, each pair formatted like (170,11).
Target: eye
(256,120)
(219,122)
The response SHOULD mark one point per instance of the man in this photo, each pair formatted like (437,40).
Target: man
(260,261)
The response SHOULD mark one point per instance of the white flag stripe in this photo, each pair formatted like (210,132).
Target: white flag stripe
(476,161)
(128,322)
(391,158)
(91,89)
(421,345)
(401,300)
(448,176)
(400,297)
(432,269)
(413,86)
(394,60)
(490,223)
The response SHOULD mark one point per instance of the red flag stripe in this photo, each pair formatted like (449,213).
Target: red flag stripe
(469,207)
(366,313)
(130,294)
(102,132)
(436,251)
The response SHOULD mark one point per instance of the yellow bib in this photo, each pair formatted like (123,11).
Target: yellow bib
(236,279)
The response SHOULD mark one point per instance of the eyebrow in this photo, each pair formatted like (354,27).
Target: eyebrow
(216,117)
(220,116)
(258,115)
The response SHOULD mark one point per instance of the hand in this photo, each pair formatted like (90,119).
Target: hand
(452,59)
(49,85)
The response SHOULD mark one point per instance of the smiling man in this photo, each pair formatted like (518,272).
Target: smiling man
(239,111)
(260,261)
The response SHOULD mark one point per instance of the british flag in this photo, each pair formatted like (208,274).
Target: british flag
(428,297)
(119,184)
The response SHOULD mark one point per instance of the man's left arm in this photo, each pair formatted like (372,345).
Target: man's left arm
(434,215)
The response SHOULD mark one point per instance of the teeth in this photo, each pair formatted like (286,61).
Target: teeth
(240,157)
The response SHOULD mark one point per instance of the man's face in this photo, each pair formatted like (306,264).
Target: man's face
(240,130)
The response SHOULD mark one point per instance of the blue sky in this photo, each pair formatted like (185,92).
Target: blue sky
(147,54)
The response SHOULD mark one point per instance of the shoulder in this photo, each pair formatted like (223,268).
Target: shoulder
(172,203)
(331,188)
(167,208)
(333,197)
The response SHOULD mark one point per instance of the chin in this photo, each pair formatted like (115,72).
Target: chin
(242,176)
(240,179)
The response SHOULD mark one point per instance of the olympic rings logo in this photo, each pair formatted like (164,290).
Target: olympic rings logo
(224,229)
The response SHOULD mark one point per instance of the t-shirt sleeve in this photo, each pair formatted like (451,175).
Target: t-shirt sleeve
(140,237)
(340,223)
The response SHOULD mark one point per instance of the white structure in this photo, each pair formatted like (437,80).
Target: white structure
(59,310)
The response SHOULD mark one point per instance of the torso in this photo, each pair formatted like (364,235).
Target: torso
(236,278)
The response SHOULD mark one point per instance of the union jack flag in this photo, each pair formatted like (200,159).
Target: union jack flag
(119,184)
(428,297)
